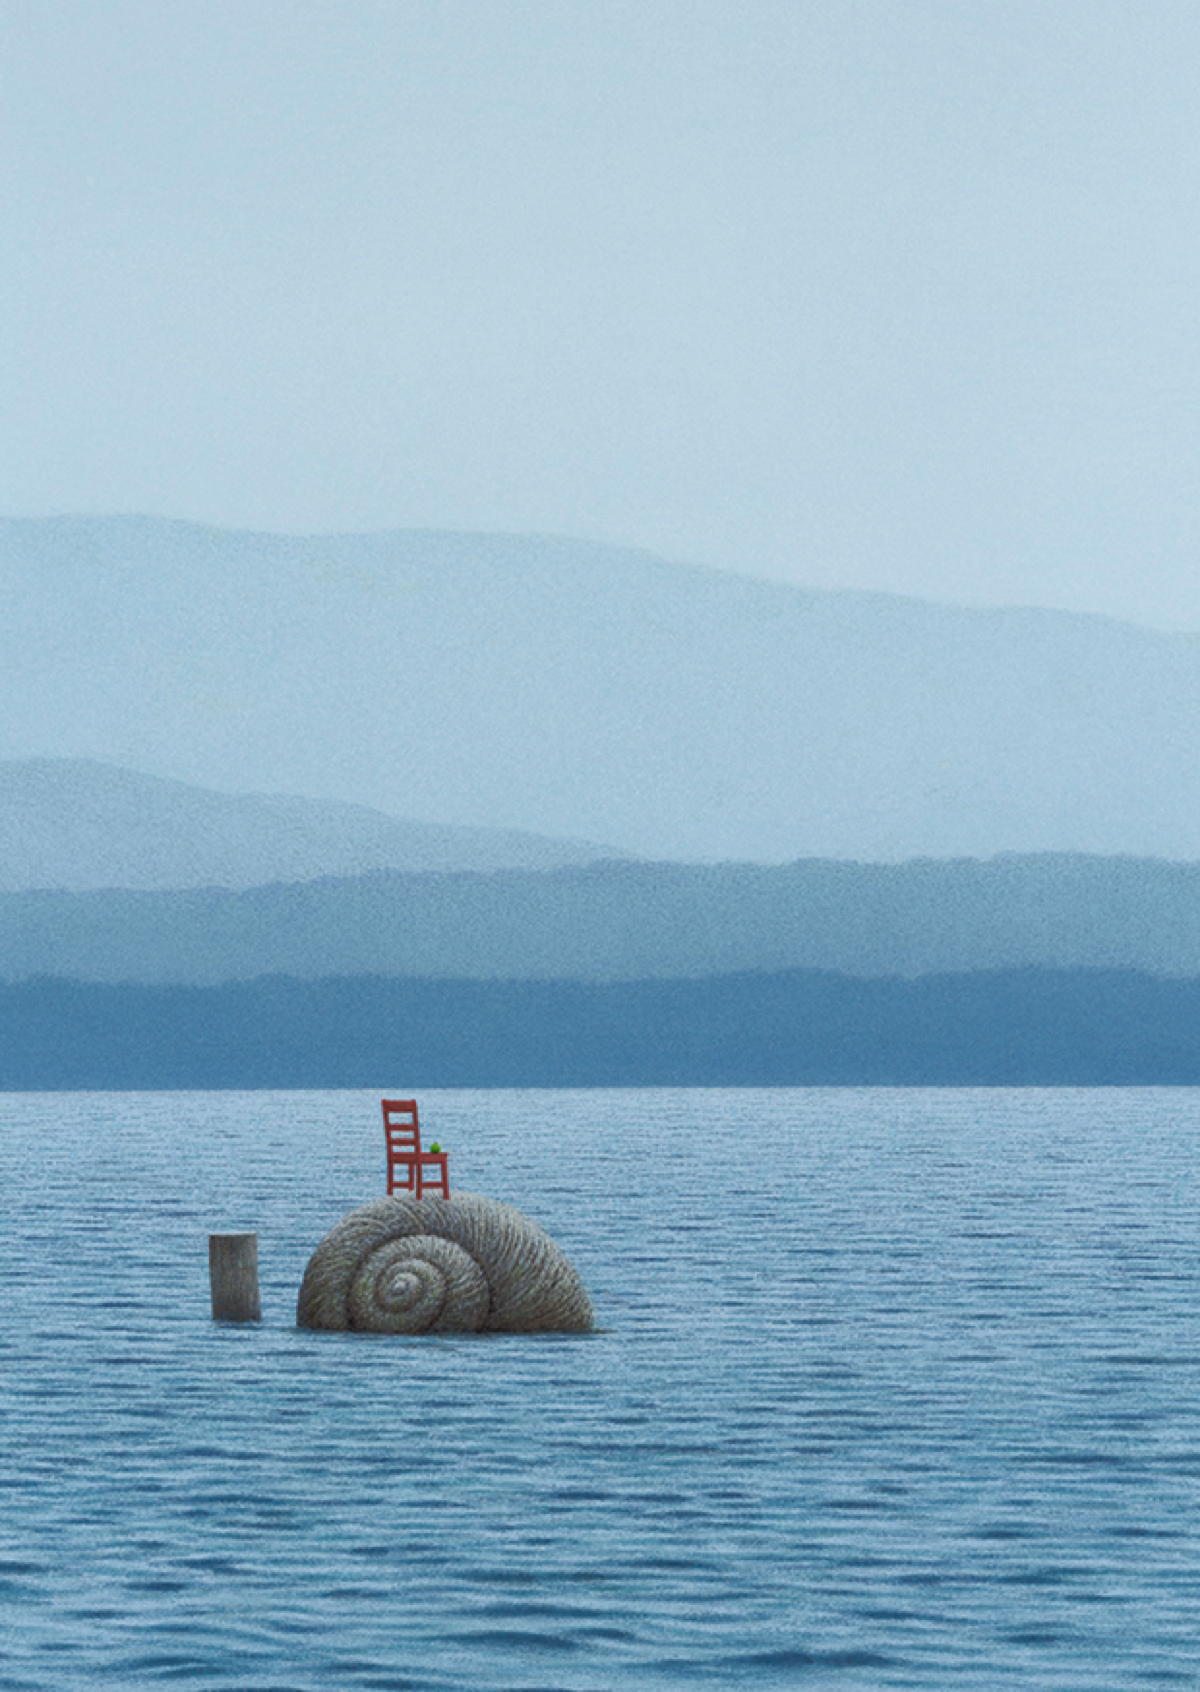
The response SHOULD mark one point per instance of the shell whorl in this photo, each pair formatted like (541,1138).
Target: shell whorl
(435,1265)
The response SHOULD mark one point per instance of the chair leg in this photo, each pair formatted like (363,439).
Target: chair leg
(437,1182)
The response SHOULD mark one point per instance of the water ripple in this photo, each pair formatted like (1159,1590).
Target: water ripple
(917,1406)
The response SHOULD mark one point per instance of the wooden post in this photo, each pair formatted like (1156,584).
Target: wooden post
(233,1277)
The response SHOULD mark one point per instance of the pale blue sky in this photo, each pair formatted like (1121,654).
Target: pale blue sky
(878,293)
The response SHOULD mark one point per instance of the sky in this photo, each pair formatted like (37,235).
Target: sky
(891,294)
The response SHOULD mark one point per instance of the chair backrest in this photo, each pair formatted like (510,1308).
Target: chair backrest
(400,1127)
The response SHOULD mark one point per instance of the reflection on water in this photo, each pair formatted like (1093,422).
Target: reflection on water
(893,1389)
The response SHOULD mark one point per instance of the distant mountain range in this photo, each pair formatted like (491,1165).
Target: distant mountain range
(927,845)
(626,921)
(76,824)
(589,693)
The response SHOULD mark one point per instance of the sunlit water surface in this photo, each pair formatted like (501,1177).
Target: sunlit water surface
(891,1389)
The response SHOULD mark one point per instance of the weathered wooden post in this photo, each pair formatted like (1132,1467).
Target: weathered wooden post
(233,1277)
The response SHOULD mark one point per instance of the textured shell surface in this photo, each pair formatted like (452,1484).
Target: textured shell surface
(435,1265)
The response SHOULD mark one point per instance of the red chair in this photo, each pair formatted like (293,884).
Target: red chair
(406,1162)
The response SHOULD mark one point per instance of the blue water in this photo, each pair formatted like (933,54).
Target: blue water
(892,1389)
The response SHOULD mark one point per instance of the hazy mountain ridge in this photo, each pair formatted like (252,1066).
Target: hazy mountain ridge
(625,921)
(76,824)
(592,693)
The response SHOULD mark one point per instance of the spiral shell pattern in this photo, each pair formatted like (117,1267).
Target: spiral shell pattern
(433,1265)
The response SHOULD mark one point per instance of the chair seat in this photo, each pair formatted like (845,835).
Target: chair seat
(406,1173)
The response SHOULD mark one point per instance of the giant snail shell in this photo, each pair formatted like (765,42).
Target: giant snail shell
(433,1265)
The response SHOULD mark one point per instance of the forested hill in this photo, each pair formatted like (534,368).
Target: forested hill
(627,921)
(801,1028)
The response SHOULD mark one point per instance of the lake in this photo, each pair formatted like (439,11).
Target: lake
(892,1388)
